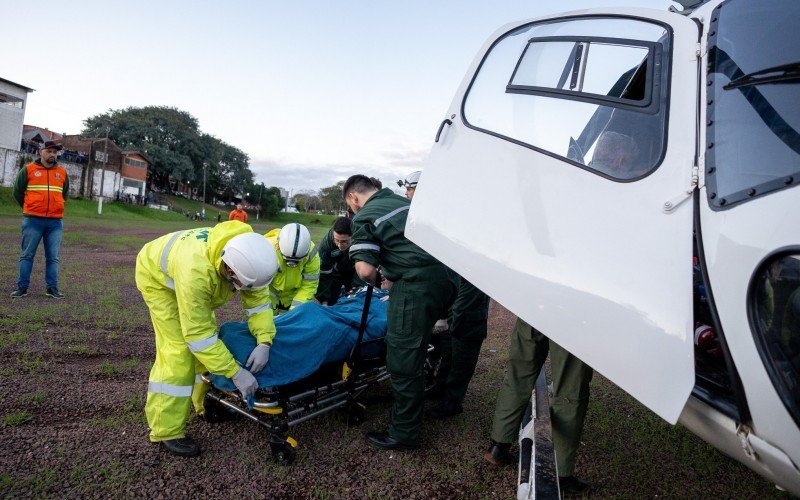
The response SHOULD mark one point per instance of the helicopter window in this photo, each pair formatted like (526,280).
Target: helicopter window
(753,101)
(571,90)
(606,69)
(774,311)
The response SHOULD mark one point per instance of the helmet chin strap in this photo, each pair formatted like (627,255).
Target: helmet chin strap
(233,284)
(233,281)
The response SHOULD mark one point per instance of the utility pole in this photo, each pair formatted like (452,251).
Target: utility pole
(103,172)
(260,193)
(204,181)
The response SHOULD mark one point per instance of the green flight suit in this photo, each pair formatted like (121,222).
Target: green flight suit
(422,290)
(335,271)
(461,344)
(570,398)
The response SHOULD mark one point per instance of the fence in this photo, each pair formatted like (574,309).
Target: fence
(83,179)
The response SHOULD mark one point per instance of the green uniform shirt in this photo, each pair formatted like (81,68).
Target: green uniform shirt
(336,270)
(379,239)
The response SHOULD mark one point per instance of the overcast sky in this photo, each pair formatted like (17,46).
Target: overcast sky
(312,91)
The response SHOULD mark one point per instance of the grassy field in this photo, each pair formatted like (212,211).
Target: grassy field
(73,385)
(116,214)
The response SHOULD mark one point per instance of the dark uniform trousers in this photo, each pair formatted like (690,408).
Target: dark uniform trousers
(570,397)
(461,344)
(417,302)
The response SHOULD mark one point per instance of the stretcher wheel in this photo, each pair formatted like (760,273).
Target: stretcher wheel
(282,453)
(355,415)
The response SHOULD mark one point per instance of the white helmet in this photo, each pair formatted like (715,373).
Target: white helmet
(294,241)
(412,179)
(252,260)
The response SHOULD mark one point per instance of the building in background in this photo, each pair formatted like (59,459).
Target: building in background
(13,100)
(104,165)
(33,137)
(134,174)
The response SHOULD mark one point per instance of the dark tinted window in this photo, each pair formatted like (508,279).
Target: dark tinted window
(753,115)
(775,314)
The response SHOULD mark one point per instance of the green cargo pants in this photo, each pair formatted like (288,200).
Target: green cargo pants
(415,305)
(461,345)
(569,402)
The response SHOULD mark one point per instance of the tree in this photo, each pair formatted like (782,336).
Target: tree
(268,198)
(273,202)
(173,142)
(331,198)
(167,136)
(300,202)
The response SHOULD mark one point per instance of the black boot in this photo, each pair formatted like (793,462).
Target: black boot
(446,409)
(498,454)
(436,391)
(383,440)
(183,447)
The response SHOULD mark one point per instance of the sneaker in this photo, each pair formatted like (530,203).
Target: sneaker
(19,292)
(570,485)
(498,454)
(53,292)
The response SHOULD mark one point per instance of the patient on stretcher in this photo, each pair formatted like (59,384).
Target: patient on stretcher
(308,336)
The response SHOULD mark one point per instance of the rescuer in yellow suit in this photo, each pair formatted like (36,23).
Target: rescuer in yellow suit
(297,279)
(183,277)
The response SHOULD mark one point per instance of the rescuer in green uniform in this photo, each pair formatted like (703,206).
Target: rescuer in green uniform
(421,291)
(336,270)
(569,402)
(460,341)
(461,346)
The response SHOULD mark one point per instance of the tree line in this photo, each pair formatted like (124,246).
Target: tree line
(179,151)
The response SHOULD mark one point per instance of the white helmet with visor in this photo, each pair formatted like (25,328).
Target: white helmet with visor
(251,261)
(294,242)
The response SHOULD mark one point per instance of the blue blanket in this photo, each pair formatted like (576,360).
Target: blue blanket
(308,336)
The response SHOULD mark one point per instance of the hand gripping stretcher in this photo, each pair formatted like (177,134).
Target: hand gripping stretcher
(335,385)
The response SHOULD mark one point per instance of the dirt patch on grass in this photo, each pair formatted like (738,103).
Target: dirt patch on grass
(73,383)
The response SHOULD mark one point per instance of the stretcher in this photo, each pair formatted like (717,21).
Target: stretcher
(337,384)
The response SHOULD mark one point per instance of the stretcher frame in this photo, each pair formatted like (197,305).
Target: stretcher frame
(281,408)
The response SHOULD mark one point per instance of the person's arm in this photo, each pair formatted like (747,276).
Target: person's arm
(193,287)
(65,192)
(327,281)
(21,185)
(308,286)
(244,214)
(365,251)
(260,320)
(367,272)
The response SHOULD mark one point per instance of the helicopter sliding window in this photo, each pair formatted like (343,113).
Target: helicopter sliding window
(570,89)
(612,70)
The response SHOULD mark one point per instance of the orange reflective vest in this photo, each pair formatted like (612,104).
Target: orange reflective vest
(239,215)
(44,190)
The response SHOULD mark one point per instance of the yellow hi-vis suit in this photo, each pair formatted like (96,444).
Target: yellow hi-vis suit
(292,286)
(180,277)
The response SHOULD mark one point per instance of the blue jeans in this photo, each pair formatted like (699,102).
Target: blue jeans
(34,229)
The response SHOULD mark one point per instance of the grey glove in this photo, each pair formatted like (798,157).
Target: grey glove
(245,382)
(441,326)
(258,358)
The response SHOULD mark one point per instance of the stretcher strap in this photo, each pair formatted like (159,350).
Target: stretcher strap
(362,327)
